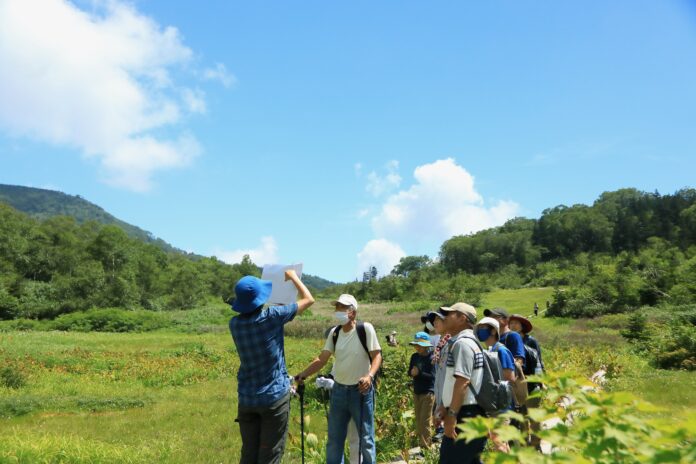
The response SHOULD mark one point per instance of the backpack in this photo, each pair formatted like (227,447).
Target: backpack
(362,335)
(495,394)
(531,360)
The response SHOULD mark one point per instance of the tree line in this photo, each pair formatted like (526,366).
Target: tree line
(55,266)
(628,249)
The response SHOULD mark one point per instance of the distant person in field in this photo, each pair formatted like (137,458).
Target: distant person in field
(263,384)
(358,358)
(421,370)
(536,309)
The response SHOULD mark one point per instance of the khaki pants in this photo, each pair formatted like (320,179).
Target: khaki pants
(423,405)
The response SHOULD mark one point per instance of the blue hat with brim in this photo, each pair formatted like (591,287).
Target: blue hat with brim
(421,339)
(251,293)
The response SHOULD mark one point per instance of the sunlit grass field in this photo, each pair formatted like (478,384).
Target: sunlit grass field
(171,396)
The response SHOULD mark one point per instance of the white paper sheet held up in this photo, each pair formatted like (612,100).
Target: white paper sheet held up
(283,292)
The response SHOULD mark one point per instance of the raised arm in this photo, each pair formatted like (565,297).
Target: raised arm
(306,299)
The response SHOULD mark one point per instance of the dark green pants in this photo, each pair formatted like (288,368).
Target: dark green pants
(264,431)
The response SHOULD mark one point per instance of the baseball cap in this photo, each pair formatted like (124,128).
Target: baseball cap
(430,317)
(422,339)
(496,312)
(463,308)
(346,300)
(489,321)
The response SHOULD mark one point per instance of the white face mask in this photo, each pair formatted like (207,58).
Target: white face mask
(341,317)
(429,326)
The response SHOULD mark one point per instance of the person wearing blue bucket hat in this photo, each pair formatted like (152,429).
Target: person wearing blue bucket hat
(263,384)
(422,371)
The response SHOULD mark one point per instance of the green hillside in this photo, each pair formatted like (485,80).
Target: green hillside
(43,204)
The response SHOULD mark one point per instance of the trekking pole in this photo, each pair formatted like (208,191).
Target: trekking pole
(300,392)
(360,427)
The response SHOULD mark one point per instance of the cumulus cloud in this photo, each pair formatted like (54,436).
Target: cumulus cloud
(378,185)
(99,81)
(380,253)
(441,203)
(265,253)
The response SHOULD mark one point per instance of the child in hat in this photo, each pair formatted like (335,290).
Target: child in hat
(421,370)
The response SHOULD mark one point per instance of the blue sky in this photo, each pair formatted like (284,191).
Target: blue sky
(344,135)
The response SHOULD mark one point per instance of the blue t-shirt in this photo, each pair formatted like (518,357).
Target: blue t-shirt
(505,356)
(513,342)
(262,378)
(506,362)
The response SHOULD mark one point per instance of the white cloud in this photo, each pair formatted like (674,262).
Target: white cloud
(195,100)
(219,73)
(265,253)
(378,185)
(99,81)
(441,203)
(357,167)
(382,254)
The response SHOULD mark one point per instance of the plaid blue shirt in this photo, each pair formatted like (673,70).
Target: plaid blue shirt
(262,378)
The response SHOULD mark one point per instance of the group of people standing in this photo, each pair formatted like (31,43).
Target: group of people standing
(446,374)
(264,386)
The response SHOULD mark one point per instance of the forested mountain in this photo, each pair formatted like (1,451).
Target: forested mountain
(65,254)
(317,283)
(44,204)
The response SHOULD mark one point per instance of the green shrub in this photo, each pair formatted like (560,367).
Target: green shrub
(11,377)
(110,320)
(108,404)
(678,348)
(636,331)
(16,406)
(590,426)
(22,325)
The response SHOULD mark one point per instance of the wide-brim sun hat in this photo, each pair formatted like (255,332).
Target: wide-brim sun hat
(421,339)
(251,292)
(526,323)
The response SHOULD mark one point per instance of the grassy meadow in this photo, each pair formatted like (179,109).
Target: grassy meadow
(170,395)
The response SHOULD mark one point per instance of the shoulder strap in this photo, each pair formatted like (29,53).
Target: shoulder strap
(334,335)
(478,343)
(486,366)
(362,335)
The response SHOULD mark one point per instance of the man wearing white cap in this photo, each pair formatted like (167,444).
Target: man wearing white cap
(463,373)
(358,358)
